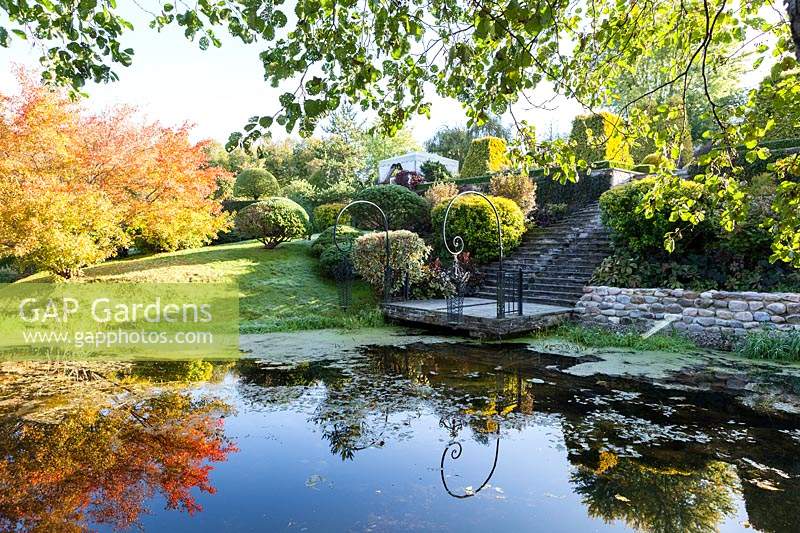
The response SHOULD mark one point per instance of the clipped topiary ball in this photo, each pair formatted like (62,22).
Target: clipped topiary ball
(404,208)
(255,183)
(273,221)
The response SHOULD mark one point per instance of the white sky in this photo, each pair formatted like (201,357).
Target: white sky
(173,81)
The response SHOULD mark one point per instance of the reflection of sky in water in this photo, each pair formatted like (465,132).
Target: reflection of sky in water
(575,453)
(284,476)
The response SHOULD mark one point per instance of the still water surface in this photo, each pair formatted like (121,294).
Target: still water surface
(424,438)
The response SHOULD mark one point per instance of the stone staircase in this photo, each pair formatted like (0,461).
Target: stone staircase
(557,261)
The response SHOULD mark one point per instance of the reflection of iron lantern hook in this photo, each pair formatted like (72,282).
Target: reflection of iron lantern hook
(456,449)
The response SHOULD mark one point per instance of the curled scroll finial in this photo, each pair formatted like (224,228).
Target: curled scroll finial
(458,241)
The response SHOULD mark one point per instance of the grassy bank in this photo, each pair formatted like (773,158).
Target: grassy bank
(771,346)
(280,289)
(600,338)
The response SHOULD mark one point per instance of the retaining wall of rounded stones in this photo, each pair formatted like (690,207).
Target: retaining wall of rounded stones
(713,317)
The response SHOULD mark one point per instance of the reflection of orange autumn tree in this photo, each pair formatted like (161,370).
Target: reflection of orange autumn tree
(101,466)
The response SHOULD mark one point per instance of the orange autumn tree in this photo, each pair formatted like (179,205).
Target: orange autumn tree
(78,187)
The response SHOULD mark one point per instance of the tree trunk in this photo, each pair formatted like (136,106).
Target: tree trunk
(793,8)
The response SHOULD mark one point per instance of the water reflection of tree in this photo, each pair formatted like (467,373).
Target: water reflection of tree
(657,499)
(370,400)
(100,466)
(389,387)
(664,481)
(366,409)
(186,371)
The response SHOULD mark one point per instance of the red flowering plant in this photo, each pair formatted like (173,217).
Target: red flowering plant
(408,178)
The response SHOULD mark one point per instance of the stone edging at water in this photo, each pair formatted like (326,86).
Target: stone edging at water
(711,317)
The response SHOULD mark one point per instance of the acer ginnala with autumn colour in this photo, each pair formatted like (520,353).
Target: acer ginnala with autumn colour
(79,187)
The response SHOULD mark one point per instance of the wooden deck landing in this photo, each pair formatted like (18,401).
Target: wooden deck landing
(479,318)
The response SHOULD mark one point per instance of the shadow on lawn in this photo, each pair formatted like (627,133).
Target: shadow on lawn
(280,289)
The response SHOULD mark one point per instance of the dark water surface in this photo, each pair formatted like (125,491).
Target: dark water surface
(428,438)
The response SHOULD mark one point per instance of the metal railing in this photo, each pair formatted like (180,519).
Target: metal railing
(510,291)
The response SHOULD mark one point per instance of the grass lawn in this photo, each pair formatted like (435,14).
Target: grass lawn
(280,289)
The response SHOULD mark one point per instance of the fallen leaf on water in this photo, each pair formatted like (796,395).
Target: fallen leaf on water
(314,480)
(764,484)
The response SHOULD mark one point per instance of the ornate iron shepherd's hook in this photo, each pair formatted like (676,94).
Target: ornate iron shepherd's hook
(458,245)
(387,269)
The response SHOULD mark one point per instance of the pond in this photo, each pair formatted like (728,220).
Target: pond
(425,437)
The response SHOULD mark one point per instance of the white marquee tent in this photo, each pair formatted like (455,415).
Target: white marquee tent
(412,161)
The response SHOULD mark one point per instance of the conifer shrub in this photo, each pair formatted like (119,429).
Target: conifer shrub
(408,254)
(517,187)
(486,155)
(325,215)
(344,235)
(600,137)
(440,192)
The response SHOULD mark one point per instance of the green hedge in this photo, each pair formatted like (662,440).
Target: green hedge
(587,189)
(611,163)
(760,166)
(778,149)
(476,180)
(779,144)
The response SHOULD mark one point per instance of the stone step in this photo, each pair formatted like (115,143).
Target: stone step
(575,271)
(562,247)
(557,260)
(596,257)
(561,244)
(558,280)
